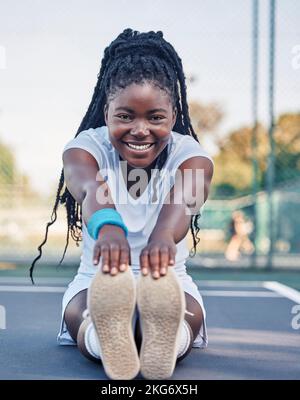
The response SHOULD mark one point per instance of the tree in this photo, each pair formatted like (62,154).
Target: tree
(233,163)
(10,176)
(7,165)
(205,118)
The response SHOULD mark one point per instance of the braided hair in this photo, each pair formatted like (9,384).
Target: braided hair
(133,57)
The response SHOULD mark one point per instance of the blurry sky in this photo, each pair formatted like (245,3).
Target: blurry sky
(50,54)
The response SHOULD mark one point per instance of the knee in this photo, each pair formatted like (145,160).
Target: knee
(194,315)
(72,315)
(73,318)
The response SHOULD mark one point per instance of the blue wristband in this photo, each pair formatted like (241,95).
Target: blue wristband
(106,216)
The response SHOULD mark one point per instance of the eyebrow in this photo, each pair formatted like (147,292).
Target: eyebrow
(132,111)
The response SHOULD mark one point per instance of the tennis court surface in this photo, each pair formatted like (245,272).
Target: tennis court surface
(253,328)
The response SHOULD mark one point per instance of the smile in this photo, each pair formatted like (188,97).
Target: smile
(140,147)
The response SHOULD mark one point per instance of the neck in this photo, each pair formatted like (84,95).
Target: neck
(147,169)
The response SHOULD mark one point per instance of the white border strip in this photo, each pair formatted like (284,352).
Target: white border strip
(32,289)
(26,280)
(208,283)
(238,293)
(283,290)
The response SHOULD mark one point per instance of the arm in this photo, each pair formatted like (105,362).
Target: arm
(175,216)
(88,188)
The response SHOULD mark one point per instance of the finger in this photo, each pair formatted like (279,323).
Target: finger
(172,254)
(154,262)
(164,260)
(124,258)
(114,258)
(144,262)
(105,258)
(96,254)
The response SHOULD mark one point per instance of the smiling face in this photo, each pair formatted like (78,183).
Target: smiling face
(140,119)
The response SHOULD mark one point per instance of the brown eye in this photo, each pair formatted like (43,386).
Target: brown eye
(157,117)
(124,117)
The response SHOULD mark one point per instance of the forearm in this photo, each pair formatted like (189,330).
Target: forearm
(96,198)
(182,203)
(173,220)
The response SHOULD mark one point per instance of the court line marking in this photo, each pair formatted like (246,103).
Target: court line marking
(40,281)
(64,281)
(208,283)
(275,289)
(33,289)
(283,290)
(238,293)
(213,293)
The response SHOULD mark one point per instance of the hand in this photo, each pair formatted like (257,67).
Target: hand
(158,254)
(114,248)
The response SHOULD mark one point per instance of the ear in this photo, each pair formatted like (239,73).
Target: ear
(105,110)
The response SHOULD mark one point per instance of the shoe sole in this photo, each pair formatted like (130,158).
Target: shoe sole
(111,302)
(161,305)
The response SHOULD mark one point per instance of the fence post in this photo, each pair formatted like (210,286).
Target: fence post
(255,22)
(271,160)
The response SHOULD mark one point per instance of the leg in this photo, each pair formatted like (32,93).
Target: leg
(73,313)
(75,322)
(193,316)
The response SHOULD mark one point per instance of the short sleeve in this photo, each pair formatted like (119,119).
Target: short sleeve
(182,149)
(187,147)
(85,140)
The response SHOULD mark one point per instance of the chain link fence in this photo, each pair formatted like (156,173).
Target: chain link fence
(253,212)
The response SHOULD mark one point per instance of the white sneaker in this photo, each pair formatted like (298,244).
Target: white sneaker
(111,303)
(161,304)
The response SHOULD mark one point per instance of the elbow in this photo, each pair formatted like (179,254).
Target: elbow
(206,192)
(89,187)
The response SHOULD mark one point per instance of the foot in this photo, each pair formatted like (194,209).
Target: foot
(161,304)
(111,303)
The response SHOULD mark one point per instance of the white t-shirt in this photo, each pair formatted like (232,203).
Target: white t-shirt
(139,215)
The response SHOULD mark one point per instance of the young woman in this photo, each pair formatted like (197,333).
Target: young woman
(128,197)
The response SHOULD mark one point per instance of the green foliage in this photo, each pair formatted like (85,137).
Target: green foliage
(234,162)
(7,165)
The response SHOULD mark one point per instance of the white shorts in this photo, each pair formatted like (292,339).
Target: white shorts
(82,281)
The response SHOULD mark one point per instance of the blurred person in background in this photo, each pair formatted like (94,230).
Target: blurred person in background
(240,229)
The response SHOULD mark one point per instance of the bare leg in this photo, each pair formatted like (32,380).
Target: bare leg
(75,322)
(194,317)
(73,313)
(76,327)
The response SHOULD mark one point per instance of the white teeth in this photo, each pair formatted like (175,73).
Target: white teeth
(139,147)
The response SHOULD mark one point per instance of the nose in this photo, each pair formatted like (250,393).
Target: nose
(140,130)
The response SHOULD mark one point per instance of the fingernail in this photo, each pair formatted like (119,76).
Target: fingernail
(114,270)
(156,274)
(144,271)
(105,268)
(95,262)
(122,267)
(163,270)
